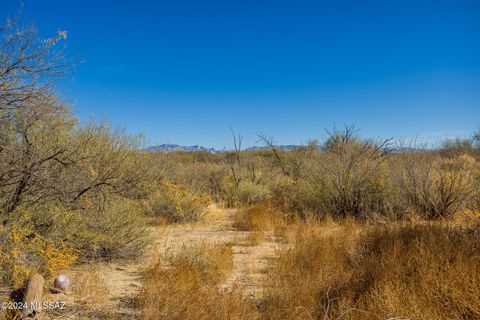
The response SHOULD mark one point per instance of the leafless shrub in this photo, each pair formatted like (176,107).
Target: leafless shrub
(352,173)
(434,186)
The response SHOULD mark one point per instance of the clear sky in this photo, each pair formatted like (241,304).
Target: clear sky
(184,71)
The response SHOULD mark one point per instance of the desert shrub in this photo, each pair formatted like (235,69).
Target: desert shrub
(200,177)
(282,193)
(47,156)
(244,194)
(23,251)
(214,261)
(476,181)
(175,204)
(229,192)
(434,186)
(456,147)
(260,217)
(349,178)
(353,175)
(251,193)
(301,197)
(115,231)
(188,287)
(245,176)
(291,163)
(348,181)
(89,289)
(406,271)
(72,180)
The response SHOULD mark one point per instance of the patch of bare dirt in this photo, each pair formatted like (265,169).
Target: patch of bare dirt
(122,282)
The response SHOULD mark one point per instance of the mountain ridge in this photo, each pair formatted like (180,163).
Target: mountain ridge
(170,147)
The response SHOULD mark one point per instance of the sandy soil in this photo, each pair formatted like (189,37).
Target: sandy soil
(120,283)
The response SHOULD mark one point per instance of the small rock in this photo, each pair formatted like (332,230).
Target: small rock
(62,282)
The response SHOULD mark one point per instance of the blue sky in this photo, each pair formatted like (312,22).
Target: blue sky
(184,71)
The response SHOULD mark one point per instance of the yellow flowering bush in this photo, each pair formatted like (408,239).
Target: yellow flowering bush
(53,237)
(23,252)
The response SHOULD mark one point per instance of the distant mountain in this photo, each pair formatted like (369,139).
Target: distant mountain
(288,147)
(168,147)
(175,147)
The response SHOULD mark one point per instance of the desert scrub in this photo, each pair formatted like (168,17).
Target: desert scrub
(348,178)
(116,230)
(301,198)
(408,271)
(175,204)
(352,176)
(214,261)
(436,187)
(250,193)
(476,196)
(260,217)
(187,285)
(245,193)
(53,237)
(23,251)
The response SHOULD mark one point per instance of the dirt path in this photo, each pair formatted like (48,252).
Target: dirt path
(252,252)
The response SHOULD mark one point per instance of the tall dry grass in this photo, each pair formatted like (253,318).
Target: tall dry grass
(331,270)
(260,217)
(188,285)
(396,271)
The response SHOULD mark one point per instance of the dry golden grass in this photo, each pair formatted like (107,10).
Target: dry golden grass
(407,271)
(260,217)
(88,297)
(331,270)
(288,231)
(189,287)
(88,288)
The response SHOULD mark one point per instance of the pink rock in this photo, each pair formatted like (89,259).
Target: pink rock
(62,282)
